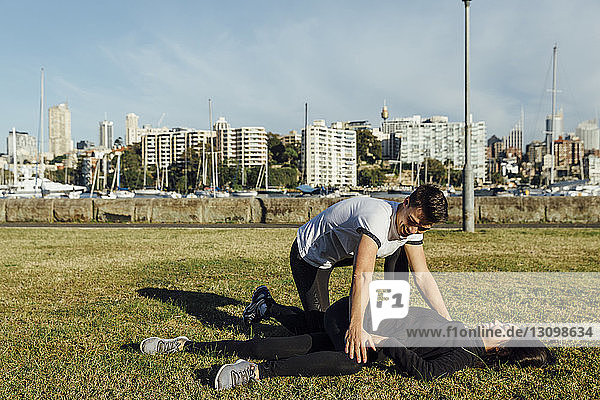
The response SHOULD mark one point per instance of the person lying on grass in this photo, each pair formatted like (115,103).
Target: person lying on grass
(325,353)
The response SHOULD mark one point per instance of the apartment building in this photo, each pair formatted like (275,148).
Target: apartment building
(329,154)
(413,139)
(244,147)
(162,146)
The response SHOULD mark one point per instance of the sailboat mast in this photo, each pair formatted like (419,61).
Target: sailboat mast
(553,112)
(40,131)
(212,149)
(14,146)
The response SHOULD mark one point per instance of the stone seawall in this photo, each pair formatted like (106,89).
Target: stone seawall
(280,210)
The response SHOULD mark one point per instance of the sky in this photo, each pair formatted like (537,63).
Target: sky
(260,61)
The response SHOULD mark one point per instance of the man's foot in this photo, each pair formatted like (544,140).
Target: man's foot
(259,306)
(239,373)
(154,345)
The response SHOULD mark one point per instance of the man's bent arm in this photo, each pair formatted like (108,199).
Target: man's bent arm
(424,280)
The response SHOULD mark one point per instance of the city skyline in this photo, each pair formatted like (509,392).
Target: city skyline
(261,62)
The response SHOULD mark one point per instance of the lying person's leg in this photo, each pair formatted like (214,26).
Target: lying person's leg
(323,363)
(271,348)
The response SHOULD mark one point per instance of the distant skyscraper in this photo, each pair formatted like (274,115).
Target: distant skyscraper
(558,129)
(59,129)
(131,129)
(589,133)
(106,134)
(514,141)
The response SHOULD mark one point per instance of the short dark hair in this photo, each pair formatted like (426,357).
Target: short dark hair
(533,353)
(432,201)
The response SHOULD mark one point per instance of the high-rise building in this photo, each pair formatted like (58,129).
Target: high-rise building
(251,146)
(59,130)
(131,129)
(413,139)
(514,140)
(26,146)
(536,151)
(329,154)
(106,134)
(558,129)
(356,125)
(163,147)
(593,169)
(568,156)
(225,139)
(245,146)
(589,133)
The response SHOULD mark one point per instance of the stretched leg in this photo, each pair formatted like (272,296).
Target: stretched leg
(322,363)
(272,348)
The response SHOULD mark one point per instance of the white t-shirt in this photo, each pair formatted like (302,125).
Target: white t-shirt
(335,233)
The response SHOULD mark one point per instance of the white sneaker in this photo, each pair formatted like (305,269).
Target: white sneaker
(232,375)
(155,345)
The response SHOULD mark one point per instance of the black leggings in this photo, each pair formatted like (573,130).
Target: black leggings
(314,354)
(313,288)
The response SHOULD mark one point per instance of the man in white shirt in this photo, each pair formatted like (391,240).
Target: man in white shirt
(355,232)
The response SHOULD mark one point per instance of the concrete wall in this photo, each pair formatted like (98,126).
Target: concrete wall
(280,210)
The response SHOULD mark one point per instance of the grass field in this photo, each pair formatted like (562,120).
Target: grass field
(75,303)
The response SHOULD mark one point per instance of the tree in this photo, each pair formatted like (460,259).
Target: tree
(368,147)
(371,177)
(285,176)
(276,149)
(437,172)
(280,154)
(132,173)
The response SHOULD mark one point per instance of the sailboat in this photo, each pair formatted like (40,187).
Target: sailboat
(25,184)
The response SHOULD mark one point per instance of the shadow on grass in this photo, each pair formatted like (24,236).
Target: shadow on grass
(131,347)
(203,306)
(206,376)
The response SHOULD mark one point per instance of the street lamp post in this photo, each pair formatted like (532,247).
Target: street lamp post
(468,182)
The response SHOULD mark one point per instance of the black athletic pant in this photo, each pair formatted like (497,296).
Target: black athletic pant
(313,288)
(315,354)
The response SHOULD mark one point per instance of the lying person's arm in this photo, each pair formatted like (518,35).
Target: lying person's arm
(414,365)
